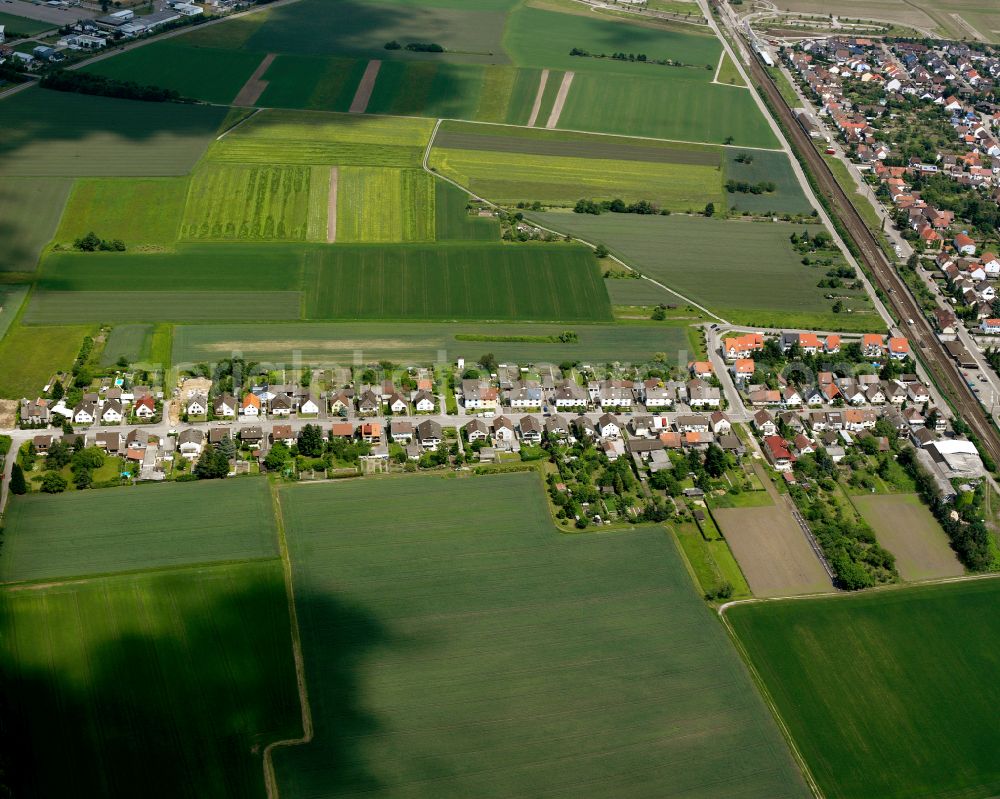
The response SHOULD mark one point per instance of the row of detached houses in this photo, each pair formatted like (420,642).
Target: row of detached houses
(113,406)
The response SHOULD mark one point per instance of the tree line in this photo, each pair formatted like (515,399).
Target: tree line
(618,206)
(61,80)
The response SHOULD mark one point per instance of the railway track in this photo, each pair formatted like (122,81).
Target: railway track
(928,348)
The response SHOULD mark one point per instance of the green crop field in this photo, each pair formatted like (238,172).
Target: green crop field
(210,74)
(23,25)
(301,137)
(227,202)
(537,37)
(29,356)
(572,144)
(11,299)
(680,109)
(132,342)
(728,73)
(429,89)
(126,529)
(516,660)
(50,133)
(144,213)
(379,204)
(522,96)
(511,177)
(453,222)
(757,166)
(72,307)
(158,685)
(890,694)
(191,267)
(362,27)
(502,282)
(29,213)
(318,84)
(626,291)
(744,271)
(416,342)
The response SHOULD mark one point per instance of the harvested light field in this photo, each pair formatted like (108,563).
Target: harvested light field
(50,133)
(517,661)
(339,342)
(159,685)
(74,307)
(125,529)
(30,356)
(229,202)
(506,177)
(29,213)
(211,74)
(890,694)
(132,342)
(905,527)
(745,271)
(143,212)
(500,282)
(299,137)
(772,551)
(775,167)
(452,219)
(380,204)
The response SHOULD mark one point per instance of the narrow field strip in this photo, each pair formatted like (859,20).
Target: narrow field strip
(331,213)
(538,99)
(364,93)
(557,106)
(254,87)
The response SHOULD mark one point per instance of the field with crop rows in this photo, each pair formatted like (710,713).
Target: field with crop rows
(227,202)
(50,133)
(73,307)
(889,694)
(159,685)
(298,137)
(515,659)
(453,222)
(142,212)
(23,25)
(319,84)
(11,299)
(742,270)
(211,74)
(418,342)
(502,282)
(506,177)
(191,267)
(755,166)
(131,342)
(684,110)
(379,204)
(157,526)
(29,213)
(29,356)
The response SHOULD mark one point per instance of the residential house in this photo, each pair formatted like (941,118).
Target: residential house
(196,405)
(251,435)
(720,423)
(111,443)
(84,412)
(424,402)
(216,435)
(397,405)
(701,395)
(283,433)
(569,395)
(112,412)
(342,430)
(556,426)
(371,432)
(692,423)
(477,430)
(401,432)
(224,406)
(531,430)
(190,443)
(964,244)
(369,403)
(525,395)
(341,403)
(777,452)
(584,428)
(310,405)
(281,405)
(504,434)
(872,345)
(35,412)
(743,369)
(763,422)
(899,348)
(250,407)
(656,395)
(608,426)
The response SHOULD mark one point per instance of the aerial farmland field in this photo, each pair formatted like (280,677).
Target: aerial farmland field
(30,356)
(164,684)
(181,524)
(214,75)
(145,213)
(516,659)
(889,694)
(29,213)
(417,342)
(18,24)
(319,84)
(744,271)
(754,166)
(229,202)
(537,282)
(453,221)
(132,342)
(73,135)
(381,204)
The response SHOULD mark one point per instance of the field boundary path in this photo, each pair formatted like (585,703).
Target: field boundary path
(255,86)
(331,211)
(538,98)
(560,101)
(270,780)
(718,67)
(365,87)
